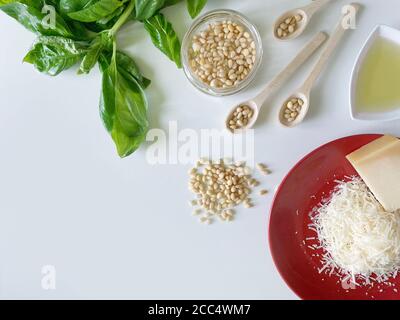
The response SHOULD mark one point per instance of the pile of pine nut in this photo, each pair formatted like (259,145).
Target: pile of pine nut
(288,26)
(292,109)
(220,187)
(240,118)
(223,55)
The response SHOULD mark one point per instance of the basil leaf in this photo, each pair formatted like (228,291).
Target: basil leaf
(107,98)
(145,9)
(32,18)
(129,68)
(164,37)
(38,4)
(101,43)
(52,55)
(195,7)
(169,3)
(90,59)
(111,17)
(97,11)
(68,6)
(123,108)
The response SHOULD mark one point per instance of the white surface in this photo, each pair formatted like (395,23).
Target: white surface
(121,228)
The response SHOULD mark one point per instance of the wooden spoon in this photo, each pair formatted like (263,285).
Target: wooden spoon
(306,13)
(256,103)
(303,93)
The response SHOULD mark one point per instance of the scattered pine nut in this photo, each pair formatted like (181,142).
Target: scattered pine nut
(196,212)
(266,172)
(219,188)
(263,192)
(248,205)
(229,213)
(228,161)
(193,203)
(261,166)
(240,163)
(206,220)
(254,183)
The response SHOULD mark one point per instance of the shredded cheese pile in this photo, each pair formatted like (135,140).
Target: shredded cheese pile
(361,240)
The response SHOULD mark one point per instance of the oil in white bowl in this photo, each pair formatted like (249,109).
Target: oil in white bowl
(378,85)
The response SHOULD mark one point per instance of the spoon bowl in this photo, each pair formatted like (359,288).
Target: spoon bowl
(301,25)
(254,108)
(306,13)
(300,114)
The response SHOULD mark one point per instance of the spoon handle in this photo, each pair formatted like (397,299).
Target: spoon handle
(315,6)
(328,51)
(296,63)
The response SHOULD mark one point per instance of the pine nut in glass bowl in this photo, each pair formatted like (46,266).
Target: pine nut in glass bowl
(221,52)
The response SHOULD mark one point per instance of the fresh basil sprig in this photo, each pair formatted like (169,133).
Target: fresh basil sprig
(85,32)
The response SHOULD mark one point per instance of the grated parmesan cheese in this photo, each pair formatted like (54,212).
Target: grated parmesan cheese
(361,240)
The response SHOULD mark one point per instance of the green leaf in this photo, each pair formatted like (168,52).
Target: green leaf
(195,7)
(123,108)
(111,17)
(33,19)
(169,3)
(164,37)
(97,10)
(69,6)
(5,2)
(101,43)
(90,59)
(145,9)
(52,55)
(107,98)
(128,67)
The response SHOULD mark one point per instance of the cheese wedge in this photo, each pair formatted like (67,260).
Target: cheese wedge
(378,164)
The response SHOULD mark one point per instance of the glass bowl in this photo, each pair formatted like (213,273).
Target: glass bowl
(200,25)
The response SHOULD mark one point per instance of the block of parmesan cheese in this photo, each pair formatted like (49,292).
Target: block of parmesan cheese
(378,164)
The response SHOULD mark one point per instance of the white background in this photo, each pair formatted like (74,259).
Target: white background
(121,228)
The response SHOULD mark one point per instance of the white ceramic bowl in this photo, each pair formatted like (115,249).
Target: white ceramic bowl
(381,31)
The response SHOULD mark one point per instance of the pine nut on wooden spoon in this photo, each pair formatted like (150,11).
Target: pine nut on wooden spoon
(239,120)
(292,23)
(295,108)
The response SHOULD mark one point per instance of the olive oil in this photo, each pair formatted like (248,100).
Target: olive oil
(378,86)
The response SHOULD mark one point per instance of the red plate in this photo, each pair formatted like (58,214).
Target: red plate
(309,182)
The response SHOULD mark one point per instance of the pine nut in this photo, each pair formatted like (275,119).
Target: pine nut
(223,45)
